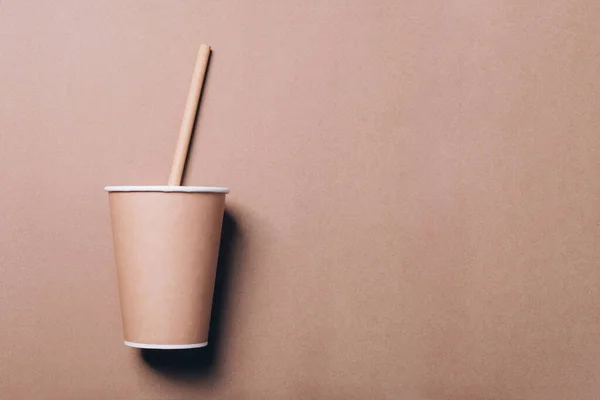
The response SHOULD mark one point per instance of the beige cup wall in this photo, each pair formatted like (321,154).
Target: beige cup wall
(166,249)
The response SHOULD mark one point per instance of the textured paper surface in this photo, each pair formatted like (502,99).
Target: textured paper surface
(166,247)
(415,186)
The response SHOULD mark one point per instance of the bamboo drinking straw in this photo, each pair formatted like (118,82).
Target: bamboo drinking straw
(187,124)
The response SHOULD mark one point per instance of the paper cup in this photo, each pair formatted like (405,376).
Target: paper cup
(166,243)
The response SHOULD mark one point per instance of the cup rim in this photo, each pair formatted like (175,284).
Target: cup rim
(168,189)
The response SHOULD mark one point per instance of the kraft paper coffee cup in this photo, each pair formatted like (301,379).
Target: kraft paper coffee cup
(166,244)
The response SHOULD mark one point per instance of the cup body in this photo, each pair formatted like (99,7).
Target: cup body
(166,244)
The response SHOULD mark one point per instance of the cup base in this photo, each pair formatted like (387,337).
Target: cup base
(165,346)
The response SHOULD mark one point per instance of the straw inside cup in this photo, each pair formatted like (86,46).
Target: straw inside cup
(189,116)
(183,141)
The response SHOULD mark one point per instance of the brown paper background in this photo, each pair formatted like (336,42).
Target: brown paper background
(415,186)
